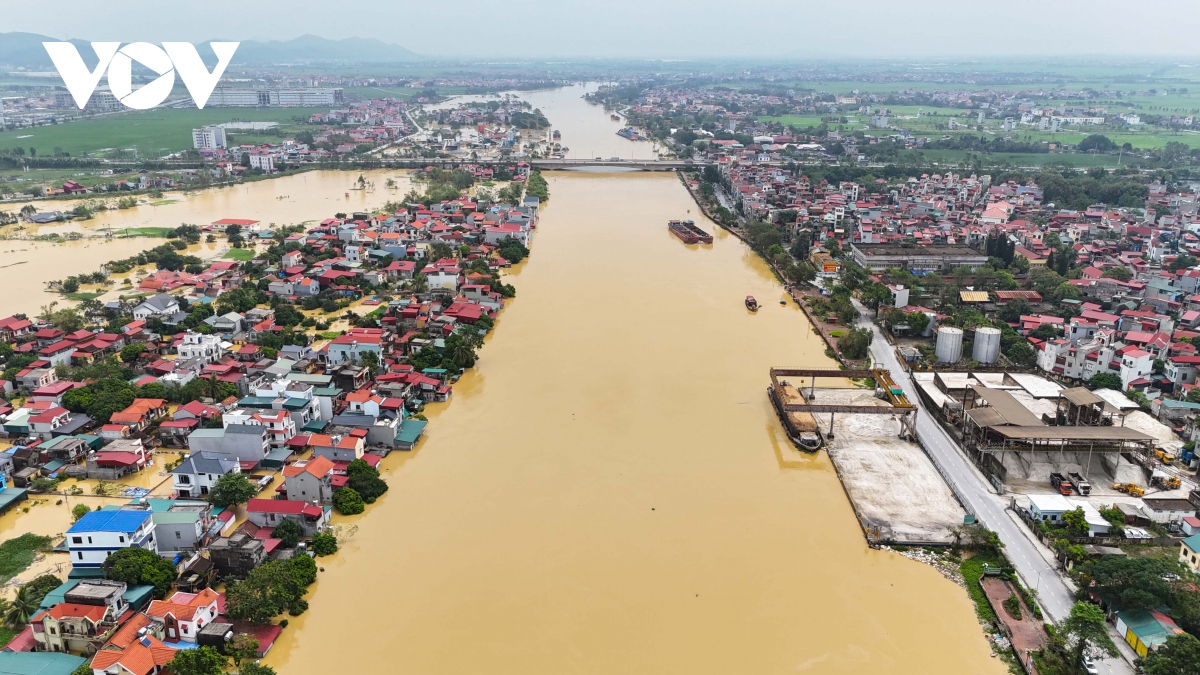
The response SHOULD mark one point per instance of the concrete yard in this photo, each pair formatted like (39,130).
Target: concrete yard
(896,492)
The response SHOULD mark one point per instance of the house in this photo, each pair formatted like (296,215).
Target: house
(83,619)
(1145,630)
(183,527)
(349,348)
(338,448)
(197,474)
(310,481)
(140,413)
(183,615)
(99,533)
(57,421)
(237,554)
(205,348)
(270,512)
(1189,553)
(243,442)
(157,305)
(119,458)
(1167,510)
(279,425)
(135,649)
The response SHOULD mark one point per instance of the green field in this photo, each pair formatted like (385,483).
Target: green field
(153,133)
(240,254)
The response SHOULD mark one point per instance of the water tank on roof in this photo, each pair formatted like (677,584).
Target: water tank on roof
(987,345)
(949,344)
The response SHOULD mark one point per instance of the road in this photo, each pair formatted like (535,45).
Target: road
(1055,597)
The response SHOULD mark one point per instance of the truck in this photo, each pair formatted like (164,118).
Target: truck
(1059,481)
(1081,484)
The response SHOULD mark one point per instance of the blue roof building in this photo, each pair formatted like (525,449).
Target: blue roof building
(99,533)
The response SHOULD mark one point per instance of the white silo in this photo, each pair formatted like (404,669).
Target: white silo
(949,344)
(987,345)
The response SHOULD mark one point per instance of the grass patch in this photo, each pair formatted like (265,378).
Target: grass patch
(972,571)
(80,296)
(837,333)
(240,254)
(331,335)
(142,231)
(16,555)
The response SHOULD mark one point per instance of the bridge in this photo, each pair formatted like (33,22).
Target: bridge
(616,162)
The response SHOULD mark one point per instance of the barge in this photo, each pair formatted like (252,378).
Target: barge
(688,232)
(801,427)
(751,303)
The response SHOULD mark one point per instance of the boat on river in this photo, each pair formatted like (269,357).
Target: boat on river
(688,232)
(801,427)
(751,303)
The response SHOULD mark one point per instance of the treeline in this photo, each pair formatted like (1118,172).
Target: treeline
(1073,190)
(984,144)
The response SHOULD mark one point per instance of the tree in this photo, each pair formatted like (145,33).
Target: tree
(1086,626)
(875,294)
(1096,143)
(130,353)
(22,606)
(1046,331)
(80,511)
(1076,521)
(1105,381)
(370,487)
(241,647)
(1179,655)
(270,589)
(856,343)
(252,669)
(1118,273)
(1182,262)
(1132,582)
(324,544)
(289,533)
(1020,352)
(136,566)
(232,489)
(202,661)
(348,502)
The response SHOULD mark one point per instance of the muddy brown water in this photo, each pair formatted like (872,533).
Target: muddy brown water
(609,490)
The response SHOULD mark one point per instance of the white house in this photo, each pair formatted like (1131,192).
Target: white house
(279,423)
(184,615)
(197,474)
(158,305)
(207,348)
(1167,510)
(99,533)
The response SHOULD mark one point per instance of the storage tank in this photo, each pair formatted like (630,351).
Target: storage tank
(949,344)
(987,345)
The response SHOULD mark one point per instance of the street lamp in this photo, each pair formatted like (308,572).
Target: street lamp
(1039,580)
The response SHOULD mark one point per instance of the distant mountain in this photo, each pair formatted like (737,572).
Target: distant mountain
(25,49)
(315,49)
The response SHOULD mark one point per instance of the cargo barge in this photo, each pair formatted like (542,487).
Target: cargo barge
(801,427)
(688,232)
(631,134)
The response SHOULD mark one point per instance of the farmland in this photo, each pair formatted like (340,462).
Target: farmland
(152,133)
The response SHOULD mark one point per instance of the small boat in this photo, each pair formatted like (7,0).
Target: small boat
(783,301)
(751,303)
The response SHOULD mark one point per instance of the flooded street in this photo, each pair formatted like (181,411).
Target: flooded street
(609,491)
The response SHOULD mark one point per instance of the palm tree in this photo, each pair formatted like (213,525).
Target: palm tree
(22,606)
(420,283)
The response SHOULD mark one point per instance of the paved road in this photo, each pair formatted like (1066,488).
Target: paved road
(1053,593)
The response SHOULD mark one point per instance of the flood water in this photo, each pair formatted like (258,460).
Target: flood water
(26,265)
(609,491)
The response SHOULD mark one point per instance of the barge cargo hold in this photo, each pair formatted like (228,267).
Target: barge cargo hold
(801,427)
(688,232)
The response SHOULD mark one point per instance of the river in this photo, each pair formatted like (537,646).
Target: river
(609,491)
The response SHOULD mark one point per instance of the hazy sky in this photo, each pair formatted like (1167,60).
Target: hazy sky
(648,28)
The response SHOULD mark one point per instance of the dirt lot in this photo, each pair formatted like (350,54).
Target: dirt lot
(891,483)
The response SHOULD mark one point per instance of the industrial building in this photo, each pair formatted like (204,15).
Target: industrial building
(275,98)
(915,257)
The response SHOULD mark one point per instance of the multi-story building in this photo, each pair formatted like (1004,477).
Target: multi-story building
(209,138)
(877,257)
(280,427)
(206,348)
(93,537)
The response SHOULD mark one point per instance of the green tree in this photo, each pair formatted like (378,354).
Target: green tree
(1020,352)
(289,533)
(1118,273)
(202,661)
(20,608)
(324,544)
(242,647)
(1085,626)
(130,353)
(1179,655)
(348,502)
(875,294)
(1076,521)
(80,511)
(1105,381)
(137,566)
(253,669)
(1132,582)
(232,489)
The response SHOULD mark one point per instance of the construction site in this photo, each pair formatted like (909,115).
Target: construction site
(866,424)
